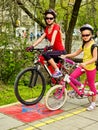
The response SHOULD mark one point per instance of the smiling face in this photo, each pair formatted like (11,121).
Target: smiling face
(49,18)
(86,35)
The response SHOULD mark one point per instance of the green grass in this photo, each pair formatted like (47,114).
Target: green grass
(7,95)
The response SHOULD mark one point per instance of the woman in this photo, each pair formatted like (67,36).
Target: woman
(88,60)
(53,33)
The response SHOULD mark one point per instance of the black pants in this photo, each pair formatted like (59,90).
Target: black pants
(53,54)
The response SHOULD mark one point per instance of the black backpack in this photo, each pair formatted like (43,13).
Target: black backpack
(92,47)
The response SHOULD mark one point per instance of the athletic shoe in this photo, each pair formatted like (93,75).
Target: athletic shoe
(57,74)
(91,107)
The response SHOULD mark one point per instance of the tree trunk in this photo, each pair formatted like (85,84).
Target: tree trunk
(68,40)
(52,4)
(29,13)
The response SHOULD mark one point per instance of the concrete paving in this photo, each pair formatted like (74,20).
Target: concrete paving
(74,117)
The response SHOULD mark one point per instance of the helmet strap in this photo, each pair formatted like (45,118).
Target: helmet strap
(87,41)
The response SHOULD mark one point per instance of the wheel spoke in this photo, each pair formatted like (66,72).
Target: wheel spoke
(29,86)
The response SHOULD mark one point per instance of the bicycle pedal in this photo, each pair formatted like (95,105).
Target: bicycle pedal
(71,94)
(88,92)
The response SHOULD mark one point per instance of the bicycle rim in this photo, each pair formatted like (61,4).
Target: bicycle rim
(54,100)
(29,86)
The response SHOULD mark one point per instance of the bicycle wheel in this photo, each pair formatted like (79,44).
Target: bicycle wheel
(29,86)
(90,97)
(55,97)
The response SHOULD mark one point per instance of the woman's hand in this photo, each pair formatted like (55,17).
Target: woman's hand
(62,56)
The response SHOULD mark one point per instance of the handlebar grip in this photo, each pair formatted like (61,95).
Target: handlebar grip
(73,63)
(69,61)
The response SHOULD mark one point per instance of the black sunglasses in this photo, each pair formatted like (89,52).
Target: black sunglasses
(85,35)
(51,18)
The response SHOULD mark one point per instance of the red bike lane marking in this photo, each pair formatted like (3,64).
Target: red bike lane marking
(28,113)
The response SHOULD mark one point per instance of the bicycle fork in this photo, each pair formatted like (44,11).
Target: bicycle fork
(73,82)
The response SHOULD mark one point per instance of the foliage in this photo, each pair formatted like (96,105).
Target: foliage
(7,95)
(13,59)
(88,14)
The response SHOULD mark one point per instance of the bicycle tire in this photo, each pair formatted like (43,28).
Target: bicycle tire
(89,97)
(52,101)
(29,86)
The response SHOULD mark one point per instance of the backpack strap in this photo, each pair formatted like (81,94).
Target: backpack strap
(92,48)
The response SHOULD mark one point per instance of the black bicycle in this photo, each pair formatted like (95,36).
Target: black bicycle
(30,83)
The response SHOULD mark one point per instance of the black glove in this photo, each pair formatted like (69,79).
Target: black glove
(48,48)
(30,48)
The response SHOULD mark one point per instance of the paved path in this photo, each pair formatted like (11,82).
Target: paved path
(74,117)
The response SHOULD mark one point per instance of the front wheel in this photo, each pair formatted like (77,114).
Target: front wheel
(29,86)
(56,97)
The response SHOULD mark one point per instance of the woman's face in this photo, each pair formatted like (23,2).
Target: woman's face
(49,19)
(86,35)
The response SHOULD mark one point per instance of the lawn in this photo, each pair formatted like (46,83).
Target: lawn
(7,95)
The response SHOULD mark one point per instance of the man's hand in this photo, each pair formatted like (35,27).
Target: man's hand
(30,48)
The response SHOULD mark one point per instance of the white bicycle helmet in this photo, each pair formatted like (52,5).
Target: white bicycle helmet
(87,27)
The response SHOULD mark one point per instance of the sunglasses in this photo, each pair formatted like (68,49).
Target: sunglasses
(49,18)
(85,35)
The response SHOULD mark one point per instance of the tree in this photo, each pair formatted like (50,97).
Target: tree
(32,16)
(71,14)
(71,25)
(52,4)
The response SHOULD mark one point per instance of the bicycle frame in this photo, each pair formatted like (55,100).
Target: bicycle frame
(80,90)
(57,95)
(31,78)
(40,60)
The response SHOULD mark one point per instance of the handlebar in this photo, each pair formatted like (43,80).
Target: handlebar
(73,63)
(38,49)
(45,49)
(69,61)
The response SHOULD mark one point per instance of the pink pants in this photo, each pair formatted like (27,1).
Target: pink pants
(91,76)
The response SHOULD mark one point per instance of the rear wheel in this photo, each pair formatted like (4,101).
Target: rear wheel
(56,97)
(29,86)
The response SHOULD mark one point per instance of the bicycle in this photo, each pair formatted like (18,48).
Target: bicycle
(30,84)
(57,95)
